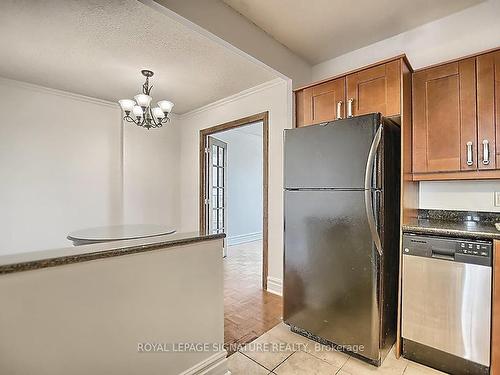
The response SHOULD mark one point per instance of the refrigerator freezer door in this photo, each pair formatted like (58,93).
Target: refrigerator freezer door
(329,156)
(331,268)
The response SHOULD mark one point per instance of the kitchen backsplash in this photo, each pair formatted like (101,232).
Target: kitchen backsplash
(459,195)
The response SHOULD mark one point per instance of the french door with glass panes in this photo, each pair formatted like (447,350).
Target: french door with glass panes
(216,194)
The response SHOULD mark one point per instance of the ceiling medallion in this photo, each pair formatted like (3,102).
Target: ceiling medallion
(139,110)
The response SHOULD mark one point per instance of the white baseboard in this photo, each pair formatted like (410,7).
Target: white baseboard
(243,238)
(216,364)
(275,285)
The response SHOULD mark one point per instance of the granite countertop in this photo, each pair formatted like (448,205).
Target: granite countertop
(57,257)
(479,225)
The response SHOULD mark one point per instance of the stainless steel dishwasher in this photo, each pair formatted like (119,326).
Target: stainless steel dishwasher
(446,303)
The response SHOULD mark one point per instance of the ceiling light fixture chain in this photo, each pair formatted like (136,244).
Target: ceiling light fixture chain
(139,111)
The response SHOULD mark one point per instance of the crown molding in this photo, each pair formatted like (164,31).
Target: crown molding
(65,94)
(232,98)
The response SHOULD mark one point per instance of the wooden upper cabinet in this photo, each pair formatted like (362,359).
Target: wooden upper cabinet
(376,89)
(444,118)
(488,110)
(320,103)
(372,89)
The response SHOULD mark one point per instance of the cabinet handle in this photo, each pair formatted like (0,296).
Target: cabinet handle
(470,160)
(339,110)
(349,107)
(486,152)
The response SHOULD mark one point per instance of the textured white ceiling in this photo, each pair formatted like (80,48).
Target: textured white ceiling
(318,30)
(98,47)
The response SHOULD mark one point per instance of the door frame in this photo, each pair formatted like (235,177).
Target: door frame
(204,133)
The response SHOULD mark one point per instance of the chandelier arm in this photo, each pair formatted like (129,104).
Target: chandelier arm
(151,117)
(154,121)
(130,119)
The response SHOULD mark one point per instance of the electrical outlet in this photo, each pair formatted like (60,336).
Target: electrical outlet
(497,198)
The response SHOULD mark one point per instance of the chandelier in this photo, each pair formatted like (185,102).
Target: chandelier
(139,110)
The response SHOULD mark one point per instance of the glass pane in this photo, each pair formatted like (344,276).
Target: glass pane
(214,155)
(214,221)
(215,175)
(214,198)
(221,156)
(221,198)
(221,219)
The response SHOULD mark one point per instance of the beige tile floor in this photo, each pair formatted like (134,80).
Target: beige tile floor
(280,351)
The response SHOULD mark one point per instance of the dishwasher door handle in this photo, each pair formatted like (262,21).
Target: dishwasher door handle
(442,256)
(445,254)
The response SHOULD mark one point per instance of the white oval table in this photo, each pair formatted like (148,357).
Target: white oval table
(117,233)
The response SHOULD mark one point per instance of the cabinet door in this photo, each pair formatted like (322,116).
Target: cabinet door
(376,89)
(488,107)
(444,118)
(320,102)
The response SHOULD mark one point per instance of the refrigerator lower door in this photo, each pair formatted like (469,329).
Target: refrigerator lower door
(331,268)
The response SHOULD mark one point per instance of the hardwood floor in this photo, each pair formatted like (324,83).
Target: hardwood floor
(249,311)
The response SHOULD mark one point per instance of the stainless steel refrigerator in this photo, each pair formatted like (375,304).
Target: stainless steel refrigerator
(341,256)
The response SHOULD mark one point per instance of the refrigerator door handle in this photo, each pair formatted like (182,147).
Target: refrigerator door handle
(368,189)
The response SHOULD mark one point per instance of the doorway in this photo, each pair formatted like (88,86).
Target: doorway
(213,181)
(234,200)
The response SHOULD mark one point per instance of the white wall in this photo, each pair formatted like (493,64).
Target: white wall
(61,168)
(151,174)
(459,195)
(274,97)
(244,182)
(472,30)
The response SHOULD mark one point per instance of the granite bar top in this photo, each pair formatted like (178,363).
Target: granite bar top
(57,257)
(470,224)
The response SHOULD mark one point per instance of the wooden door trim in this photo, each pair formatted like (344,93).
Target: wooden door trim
(204,133)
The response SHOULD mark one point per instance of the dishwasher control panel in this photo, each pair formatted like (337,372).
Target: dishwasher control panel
(448,248)
(474,248)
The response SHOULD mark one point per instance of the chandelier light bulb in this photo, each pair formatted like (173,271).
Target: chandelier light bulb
(142,100)
(140,111)
(158,113)
(137,111)
(127,105)
(165,106)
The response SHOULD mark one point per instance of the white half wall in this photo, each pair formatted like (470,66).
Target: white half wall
(275,97)
(472,30)
(244,183)
(103,316)
(62,168)
(459,195)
